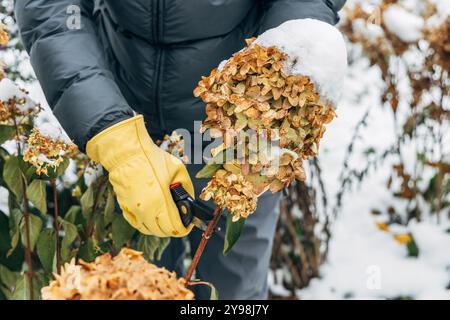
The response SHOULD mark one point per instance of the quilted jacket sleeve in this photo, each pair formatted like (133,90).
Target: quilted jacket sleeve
(279,11)
(71,67)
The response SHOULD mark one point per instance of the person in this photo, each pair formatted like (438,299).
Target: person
(120,74)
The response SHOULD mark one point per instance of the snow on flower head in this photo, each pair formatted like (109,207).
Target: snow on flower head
(54,131)
(15,103)
(45,152)
(314,49)
(92,172)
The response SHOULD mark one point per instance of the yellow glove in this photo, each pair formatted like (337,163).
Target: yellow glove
(141,174)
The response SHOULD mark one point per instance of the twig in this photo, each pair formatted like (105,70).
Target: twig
(205,237)
(28,258)
(26,214)
(91,223)
(55,218)
(196,283)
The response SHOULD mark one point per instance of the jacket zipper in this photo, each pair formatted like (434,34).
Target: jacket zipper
(159,60)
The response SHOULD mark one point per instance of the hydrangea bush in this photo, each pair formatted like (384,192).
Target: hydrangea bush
(50,219)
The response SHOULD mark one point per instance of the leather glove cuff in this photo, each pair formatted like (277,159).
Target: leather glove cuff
(108,148)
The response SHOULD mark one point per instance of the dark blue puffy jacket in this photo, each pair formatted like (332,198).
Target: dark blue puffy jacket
(142,55)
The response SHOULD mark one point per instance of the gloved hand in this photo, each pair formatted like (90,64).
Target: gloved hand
(141,174)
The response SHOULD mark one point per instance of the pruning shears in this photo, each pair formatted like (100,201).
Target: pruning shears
(191,210)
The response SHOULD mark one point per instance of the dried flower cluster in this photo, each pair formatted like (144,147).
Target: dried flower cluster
(44,152)
(231,190)
(379,43)
(127,276)
(17,109)
(174,144)
(4,37)
(425,60)
(251,92)
(438,38)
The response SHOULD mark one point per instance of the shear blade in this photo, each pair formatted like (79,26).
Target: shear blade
(199,223)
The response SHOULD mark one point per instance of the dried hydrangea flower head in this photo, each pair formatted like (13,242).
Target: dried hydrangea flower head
(174,144)
(127,276)
(45,152)
(16,108)
(250,91)
(4,37)
(233,191)
(438,37)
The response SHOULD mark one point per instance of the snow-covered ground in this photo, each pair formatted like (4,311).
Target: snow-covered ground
(365,262)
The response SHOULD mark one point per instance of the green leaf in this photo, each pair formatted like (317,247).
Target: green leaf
(70,235)
(152,246)
(14,242)
(72,214)
(215,164)
(54,173)
(163,243)
(413,248)
(21,290)
(4,294)
(6,133)
(122,231)
(8,277)
(87,201)
(30,173)
(88,250)
(46,249)
(214,294)
(37,195)
(35,230)
(110,208)
(14,230)
(62,167)
(12,175)
(241,121)
(208,171)
(232,233)
(100,230)
(5,240)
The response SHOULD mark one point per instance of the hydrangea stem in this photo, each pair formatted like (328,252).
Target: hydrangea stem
(28,258)
(55,218)
(26,213)
(201,247)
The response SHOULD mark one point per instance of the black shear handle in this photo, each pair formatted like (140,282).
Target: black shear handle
(188,207)
(183,202)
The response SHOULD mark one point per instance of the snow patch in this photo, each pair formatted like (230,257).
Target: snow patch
(9,90)
(92,173)
(404,24)
(54,131)
(315,49)
(370,31)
